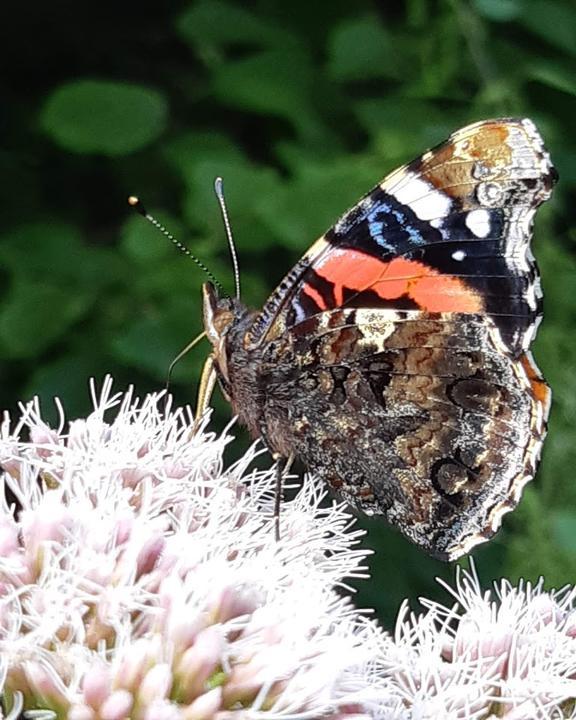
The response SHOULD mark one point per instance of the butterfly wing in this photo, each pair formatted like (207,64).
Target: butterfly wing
(449,232)
(424,419)
(395,353)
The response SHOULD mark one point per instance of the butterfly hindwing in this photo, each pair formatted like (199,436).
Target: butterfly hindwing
(422,420)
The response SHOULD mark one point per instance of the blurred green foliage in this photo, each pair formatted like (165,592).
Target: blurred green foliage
(301,107)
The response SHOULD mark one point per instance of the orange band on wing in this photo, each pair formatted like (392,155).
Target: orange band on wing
(315,295)
(540,391)
(427,287)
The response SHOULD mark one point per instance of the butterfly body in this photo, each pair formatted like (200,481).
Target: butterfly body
(393,360)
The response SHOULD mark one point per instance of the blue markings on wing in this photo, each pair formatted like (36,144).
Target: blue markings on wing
(385,221)
(384,227)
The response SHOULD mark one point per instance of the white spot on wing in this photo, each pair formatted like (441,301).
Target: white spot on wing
(531,296)
(458,255)
(422,198)
(478,221)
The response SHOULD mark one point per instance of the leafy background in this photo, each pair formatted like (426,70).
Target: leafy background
(301,107)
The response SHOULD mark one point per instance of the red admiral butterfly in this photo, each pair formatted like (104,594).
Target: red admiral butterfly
(393,360)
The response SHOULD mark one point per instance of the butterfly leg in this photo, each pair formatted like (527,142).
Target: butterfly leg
(282,468)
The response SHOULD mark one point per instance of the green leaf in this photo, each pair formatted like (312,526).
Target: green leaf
(553,21)
(299,211)
(558,273)
(563,524)
(34,316)
(554,75)
(42,249)
(500,10)
(403,562)
(153,339)
(403,127)
(54,252)
(215,23)
(276,82)
(66,376)
(529,548)
(189,149)
(91,116)
(359,49)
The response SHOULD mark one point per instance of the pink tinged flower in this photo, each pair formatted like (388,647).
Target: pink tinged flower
(134,661)
(244,683)
(159,578)
(123,528)
(542,610)
(199,663)
(528,627)
(524,711)
(233,601)
(161,710)
(485,643)
(421,677)
(205,706)
(155,685)
(44,438)
(10,465)
(96,685)
(44,529)
(149,554)
(570,624)
(181,624)
(81,712)
(9,537)
(46,686)
(117,706)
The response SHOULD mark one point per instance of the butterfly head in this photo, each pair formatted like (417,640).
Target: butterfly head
(218,314)
(221,315)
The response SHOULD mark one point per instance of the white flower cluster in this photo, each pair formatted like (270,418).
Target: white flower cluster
(507,653)
(140,579)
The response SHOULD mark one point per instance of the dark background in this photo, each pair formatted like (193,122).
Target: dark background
(301,107)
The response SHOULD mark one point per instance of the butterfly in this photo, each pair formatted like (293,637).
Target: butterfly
(393,360)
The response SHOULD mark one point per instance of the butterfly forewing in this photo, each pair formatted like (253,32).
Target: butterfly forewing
(448,232)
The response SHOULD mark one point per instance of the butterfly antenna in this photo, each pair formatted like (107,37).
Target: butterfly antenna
(137,204)
(219,190)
